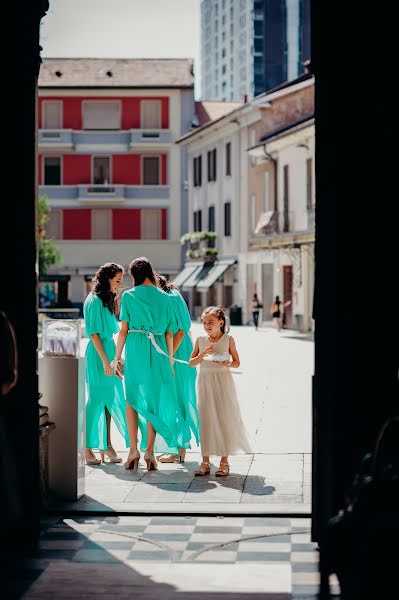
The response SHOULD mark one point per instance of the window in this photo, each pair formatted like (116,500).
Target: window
(151,170)
(286,200)
(309,181)
(197,171)
(228,158)
(52,114)
(227,219)
(101,170)
(198,220)
(52,170)
(211,218)
(211,165)
(151,114)
(54,224)
(101,115)
(101,224)
(151,224)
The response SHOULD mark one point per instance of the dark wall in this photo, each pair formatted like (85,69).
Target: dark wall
(19,496)
(357,251)
(275,43)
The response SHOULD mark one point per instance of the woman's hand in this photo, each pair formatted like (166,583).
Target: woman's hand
(107,367)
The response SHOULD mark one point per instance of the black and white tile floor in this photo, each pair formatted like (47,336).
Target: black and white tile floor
(232,558)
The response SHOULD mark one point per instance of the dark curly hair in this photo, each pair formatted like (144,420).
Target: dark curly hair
(164,283)
(102,287)
(219,312)
(141,268)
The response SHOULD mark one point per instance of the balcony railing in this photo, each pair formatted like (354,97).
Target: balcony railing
(105,193)
(125,139)
(149,136)
(59,138)
(88,194)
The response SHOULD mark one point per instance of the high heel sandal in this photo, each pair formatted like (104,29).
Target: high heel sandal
(93,460)
(204,469)
(172,458)
(223,470)
(133,460)
(113,457)
(150,461)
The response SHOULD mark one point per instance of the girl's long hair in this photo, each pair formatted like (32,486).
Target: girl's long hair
(102,288)
(141,268)
(219,312)
(164,283)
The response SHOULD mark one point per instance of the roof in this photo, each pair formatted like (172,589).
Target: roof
(116,73)
(207,111)
(304,121)
(286,84)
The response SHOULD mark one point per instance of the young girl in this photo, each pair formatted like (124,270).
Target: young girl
(222,430)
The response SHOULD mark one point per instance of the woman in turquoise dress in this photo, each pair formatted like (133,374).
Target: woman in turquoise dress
(106,398)
(185,376)
(147,324)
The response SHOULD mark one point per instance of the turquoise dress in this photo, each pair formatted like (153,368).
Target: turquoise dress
(149,382)
(185,375)
(103,391)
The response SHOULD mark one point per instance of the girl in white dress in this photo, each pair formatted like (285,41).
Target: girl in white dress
(222,430)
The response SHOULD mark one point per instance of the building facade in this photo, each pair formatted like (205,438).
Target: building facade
(251,181)
(251,46)
(109,165)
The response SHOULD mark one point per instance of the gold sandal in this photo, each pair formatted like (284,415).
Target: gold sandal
(204,469)
(223,470)
(172,458)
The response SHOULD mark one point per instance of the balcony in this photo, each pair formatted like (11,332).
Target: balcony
(56,139)
(110,194)
(149,137)
(86,140)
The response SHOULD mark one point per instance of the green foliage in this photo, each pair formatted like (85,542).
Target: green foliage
(197,236)
(49,253)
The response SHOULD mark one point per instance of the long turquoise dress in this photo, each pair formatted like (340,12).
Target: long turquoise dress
(103,391)
(149,382)
(185,375)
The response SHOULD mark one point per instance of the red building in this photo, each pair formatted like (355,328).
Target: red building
(114,178)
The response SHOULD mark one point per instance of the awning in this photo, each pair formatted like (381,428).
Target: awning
(266,222)
(185,274)
(219,267)
(197,276)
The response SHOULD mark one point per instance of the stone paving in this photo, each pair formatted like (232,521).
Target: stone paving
(190,558)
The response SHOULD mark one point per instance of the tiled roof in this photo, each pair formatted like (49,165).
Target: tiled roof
(210,111)
(116,72)
(307,120)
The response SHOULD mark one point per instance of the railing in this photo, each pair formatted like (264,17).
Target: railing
(101,192)
(159,136)
(101,189)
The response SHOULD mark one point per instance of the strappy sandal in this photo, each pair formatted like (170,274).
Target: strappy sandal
(223,470)
(92,460)
(204,469)
(133,460)
(173,458)
(111,454)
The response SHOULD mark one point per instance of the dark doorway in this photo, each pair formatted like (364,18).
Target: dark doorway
(287,296)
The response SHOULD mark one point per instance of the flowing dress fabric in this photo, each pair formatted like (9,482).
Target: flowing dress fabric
(185,378)
(103,391)
(149,382)
(222,428)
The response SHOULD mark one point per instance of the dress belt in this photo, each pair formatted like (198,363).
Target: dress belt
(151,336)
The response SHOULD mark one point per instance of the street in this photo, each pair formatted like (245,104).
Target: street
(274,388)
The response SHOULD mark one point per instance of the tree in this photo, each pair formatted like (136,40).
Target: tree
(49,253)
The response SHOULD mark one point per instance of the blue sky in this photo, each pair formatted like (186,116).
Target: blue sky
(123,29)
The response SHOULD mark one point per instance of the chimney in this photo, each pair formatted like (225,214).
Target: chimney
(245,98)
(308,66)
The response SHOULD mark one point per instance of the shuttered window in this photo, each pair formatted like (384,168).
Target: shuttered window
(151,224)
(101,115)
(227,219)
(309,186)
(101,224)
(52,114)
(151,114)
(151,170)
(54,224)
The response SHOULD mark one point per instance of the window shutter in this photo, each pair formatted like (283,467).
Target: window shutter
(151,226)
(151,170)
(52,115)
(101,115)
(101,225)
(151,114)
(227,219)
(54,224)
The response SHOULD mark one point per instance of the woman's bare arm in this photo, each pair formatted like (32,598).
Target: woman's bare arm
(177,339)
(95,338)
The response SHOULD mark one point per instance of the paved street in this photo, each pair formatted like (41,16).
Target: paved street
(274,387)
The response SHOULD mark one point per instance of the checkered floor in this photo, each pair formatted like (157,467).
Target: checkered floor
(276,543)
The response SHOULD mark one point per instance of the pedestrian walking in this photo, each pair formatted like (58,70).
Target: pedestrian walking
(185,377)
(147,325)
(276,312)
(222,430)
(256,305)
(106,398)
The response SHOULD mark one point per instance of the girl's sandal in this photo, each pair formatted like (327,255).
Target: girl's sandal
(204,469)
(223,470)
